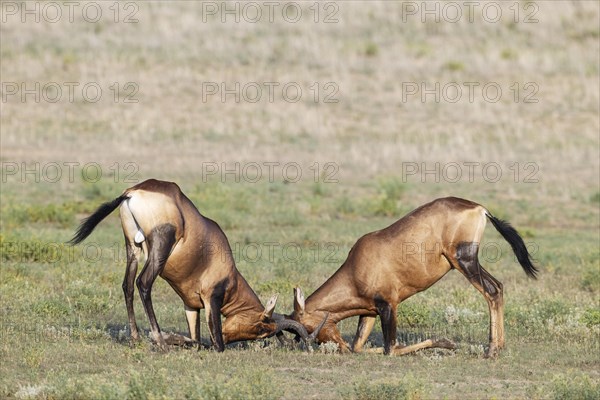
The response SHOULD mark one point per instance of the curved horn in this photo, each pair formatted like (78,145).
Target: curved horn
(270,307)
(277,316)
(284,324)
(291,326)
(295,327)
(315,333)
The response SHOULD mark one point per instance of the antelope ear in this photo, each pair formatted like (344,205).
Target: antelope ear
(268,313)
(298,300)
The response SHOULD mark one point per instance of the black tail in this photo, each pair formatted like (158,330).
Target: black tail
(516,242)
(87,225)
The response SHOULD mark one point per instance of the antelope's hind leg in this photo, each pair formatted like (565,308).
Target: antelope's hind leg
(490,287)
(398,350)
(160,243)
(129,286)
(134,253)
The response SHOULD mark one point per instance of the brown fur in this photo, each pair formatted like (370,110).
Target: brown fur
(193,255)
(386,267)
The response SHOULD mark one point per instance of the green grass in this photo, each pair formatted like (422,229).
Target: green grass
(63,323)
(408,389)
(65,332)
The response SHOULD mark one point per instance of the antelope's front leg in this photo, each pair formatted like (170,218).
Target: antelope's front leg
(387,314)
(331,333)
(213,318)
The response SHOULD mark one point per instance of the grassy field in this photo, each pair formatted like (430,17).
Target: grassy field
(366,110)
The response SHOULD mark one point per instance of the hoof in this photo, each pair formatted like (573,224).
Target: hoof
(445,344)
(159,342)
(174,339)
(162,348)
(135,337)
(492,352)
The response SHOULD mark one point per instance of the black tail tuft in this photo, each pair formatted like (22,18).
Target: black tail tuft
(87,225)
(516,242)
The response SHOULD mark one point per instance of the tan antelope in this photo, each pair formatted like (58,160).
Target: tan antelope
(387,266)
(192,254)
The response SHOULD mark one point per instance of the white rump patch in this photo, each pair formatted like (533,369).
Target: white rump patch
(139,237)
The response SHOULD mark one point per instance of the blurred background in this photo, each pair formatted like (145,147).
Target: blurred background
(367,74)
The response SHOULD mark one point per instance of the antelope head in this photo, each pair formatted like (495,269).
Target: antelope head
(312,322)
(250,326)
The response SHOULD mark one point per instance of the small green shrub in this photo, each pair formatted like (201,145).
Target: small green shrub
(102,190)
(371,49)
(318,189)
(215,199)
(33,250)
(454,66)
(252,384)
(554,309)
(591,274)
(17,214)
(387,203)
(34,357)
(92,192)
(508,54)
(136,390)
(344,205)
(93,305)
(281,286)
(523,319)
(51,308)
(591,280)
(591,317)
(96,386)
(463,316)
(581,388)
(408,388)
(414,314)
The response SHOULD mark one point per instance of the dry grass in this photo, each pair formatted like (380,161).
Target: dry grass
(370,131)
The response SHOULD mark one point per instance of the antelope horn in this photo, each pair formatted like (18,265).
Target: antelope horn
(284,324)
(291,326)
(277,316)
(295,327)
(315,333)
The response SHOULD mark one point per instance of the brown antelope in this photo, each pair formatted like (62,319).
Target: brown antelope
(192,254)
(387,266)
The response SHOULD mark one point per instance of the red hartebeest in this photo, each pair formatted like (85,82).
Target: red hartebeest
(192,254)
(387,266)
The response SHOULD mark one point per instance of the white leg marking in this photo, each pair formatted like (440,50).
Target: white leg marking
(139,237)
